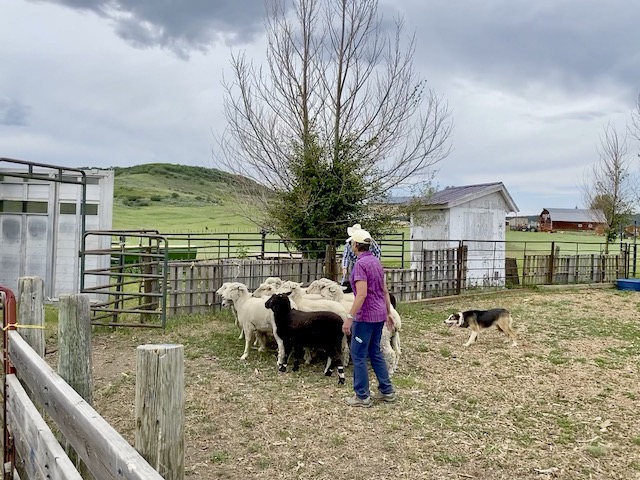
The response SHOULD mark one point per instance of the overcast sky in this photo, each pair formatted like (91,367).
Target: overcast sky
(531,84)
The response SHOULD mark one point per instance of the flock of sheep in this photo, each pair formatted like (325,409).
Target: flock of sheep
(302,321)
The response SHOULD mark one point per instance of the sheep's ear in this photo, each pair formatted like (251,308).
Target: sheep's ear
(343,287)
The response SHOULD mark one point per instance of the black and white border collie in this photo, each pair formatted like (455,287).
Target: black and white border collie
(478,320)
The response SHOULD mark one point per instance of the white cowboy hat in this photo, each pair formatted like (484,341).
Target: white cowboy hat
(350,230)
(361,236)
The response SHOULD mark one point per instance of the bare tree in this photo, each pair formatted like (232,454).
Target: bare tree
(634,128)
(608,185)
(339,89)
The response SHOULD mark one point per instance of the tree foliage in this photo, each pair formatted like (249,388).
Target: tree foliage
(336,119)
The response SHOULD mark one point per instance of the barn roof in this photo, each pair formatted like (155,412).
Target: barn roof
(453,196)
(576,215)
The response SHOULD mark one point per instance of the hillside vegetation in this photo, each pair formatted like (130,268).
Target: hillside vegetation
(170,197)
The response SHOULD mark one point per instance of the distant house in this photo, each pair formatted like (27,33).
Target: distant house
(517,223)
(473,213)
(572,219)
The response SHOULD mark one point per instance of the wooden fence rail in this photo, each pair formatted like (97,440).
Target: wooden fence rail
(192,286)
(572,269)
(103,450)
(32,388)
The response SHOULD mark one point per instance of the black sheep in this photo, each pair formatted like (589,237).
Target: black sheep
(299,329)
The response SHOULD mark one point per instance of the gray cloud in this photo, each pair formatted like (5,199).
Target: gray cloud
(183,26)
(574,44)
(13,112)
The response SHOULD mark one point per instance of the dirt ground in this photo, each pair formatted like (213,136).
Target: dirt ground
(562,405)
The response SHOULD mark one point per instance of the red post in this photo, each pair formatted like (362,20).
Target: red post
(8,300)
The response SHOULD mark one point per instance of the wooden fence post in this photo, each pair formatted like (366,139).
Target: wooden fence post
(31,312)
(159,408)
(74,355)
(551,264)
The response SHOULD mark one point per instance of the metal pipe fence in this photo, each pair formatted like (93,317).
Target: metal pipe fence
(197,264)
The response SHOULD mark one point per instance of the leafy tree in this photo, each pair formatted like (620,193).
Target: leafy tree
(335,120)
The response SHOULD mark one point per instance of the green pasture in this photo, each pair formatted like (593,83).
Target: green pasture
(196,203)
(203,222)
(167,218)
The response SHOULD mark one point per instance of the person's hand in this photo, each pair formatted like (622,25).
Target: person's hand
(390,322)
(346,326)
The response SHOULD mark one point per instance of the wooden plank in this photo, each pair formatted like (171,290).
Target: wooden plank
(40,453)
(31,311)
(105,452)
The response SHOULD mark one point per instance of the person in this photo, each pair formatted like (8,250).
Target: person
(348,257)
(365,321)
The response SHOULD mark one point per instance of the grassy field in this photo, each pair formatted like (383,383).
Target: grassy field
(177,199)
(180,218)
(562,405)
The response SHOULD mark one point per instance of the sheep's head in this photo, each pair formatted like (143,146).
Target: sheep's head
(317,285)
(264,290)
(290,286)
(333,292)
(277,281)
(233,293)
(223,288)
(277,299)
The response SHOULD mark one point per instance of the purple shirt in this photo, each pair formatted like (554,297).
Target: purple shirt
(374,308)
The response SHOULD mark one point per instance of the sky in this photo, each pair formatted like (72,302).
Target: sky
(531,85)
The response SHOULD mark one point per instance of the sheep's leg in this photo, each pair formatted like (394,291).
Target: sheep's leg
(237,322)
(335,360)
(248,335)
(261,340)
(298,353)
(308,356)
(287,352)
(280,343)
(395,345)
(389,357)
(328,369)
(346,352)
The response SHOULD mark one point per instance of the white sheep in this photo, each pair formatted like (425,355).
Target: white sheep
(221,291)
(329,289)
(253,317)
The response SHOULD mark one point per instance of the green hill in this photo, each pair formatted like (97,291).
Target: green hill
(177,198)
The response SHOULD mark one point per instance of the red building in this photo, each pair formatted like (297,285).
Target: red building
(572,219)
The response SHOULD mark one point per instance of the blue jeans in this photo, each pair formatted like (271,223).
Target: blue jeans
(365,342)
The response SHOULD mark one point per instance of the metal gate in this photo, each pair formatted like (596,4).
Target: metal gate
(130,289)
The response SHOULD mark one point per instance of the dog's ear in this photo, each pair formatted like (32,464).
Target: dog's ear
(460,319)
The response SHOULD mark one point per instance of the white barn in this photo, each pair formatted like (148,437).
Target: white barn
(473,213)
(41,224)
